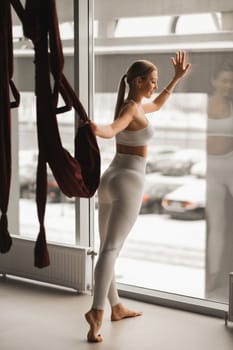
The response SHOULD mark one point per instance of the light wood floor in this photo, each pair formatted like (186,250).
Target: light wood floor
(40,317)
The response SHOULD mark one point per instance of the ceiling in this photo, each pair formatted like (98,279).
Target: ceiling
(108,12)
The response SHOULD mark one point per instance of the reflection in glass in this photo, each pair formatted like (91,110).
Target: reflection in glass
(220,182)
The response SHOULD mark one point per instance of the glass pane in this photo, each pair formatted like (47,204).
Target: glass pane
(141,26)
(207,23)
(219,181)
(60,210)
(169,248)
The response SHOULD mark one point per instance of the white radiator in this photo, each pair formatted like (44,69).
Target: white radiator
(69,266)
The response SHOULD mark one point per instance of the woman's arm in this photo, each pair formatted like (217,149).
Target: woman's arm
(181,68)
(119,124)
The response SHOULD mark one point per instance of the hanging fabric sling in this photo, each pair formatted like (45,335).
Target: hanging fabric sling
(76,176)
(6,73)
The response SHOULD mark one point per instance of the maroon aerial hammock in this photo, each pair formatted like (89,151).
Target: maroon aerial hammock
(78,175)
(6,85)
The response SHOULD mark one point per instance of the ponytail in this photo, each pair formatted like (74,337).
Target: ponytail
(120,96)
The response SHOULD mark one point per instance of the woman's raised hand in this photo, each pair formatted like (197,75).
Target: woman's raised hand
(180,64)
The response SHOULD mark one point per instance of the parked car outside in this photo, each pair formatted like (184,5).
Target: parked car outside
(54,194)
(27,172)
(27,179)
(199,169)
(187,202)
(27,176)
(158,154)
(181,162)
(153,195)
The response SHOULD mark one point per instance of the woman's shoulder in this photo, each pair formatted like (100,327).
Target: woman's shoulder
(128,106)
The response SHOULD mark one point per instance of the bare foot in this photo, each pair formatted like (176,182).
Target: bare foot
(119,312)
(94,318)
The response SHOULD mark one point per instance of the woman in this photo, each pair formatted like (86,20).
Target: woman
(219,179)
(121,188)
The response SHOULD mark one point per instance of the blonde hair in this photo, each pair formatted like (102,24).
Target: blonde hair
(140,68)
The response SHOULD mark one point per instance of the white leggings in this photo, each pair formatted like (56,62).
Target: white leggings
(119,196)
(219,183)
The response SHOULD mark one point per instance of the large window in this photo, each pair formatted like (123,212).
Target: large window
(66,219)
(170,247)
(60,210)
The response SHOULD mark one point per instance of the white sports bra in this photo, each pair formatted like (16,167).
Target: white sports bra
(220,127)
(135,137)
